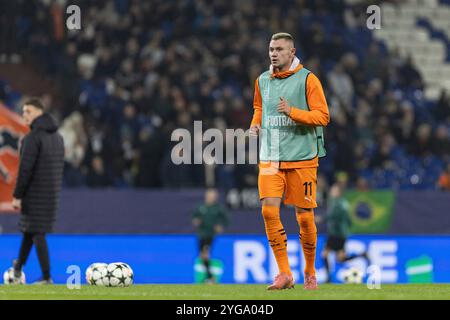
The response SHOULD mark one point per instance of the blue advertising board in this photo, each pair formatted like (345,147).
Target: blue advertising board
(238,258)
(170,212)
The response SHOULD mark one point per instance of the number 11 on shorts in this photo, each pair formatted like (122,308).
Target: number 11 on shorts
(308,185)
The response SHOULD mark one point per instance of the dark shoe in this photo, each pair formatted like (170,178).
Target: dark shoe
(44,281)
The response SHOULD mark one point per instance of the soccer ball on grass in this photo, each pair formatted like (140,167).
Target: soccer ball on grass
(95,273)
(8,277)
(353,275)
(119,274)
(116,274)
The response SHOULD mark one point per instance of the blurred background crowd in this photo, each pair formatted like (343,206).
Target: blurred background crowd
(137,70)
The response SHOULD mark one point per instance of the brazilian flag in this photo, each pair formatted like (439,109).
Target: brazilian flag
(370,211)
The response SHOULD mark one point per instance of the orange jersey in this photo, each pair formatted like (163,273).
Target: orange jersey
(317,115)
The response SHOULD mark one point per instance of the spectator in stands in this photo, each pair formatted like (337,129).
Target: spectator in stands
(9,18)
(362,184)
(421,145)
(342,134)
(150,146)
(444,179)
(440,143)
(409,77)
(197,60)
(442,108)
(72,130)
(403,128)
(341,84)
(382,158)
(364,133)
(373,61)
(97,177)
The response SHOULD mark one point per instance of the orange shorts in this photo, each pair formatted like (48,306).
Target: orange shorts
(297,185)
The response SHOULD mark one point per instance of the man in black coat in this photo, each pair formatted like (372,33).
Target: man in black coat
(38,185)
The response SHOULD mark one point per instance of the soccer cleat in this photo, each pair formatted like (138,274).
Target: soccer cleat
(310,282)
(43,281)
(282,281)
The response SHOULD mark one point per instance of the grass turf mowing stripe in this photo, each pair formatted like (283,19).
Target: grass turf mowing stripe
(228,292)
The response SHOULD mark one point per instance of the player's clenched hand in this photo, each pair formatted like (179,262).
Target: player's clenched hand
(283,106)
(254,130)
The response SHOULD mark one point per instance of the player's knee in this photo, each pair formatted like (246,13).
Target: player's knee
(306,222)
(270,213)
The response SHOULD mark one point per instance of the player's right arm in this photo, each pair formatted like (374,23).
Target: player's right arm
(255,126)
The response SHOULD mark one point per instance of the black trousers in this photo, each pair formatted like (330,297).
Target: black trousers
(40,242)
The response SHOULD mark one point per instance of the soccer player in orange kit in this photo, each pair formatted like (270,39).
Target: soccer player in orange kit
(289,101)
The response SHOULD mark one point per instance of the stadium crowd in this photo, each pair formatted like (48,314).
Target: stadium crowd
(137,70)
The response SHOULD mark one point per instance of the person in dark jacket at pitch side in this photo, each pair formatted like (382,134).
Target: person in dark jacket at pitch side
(38,185)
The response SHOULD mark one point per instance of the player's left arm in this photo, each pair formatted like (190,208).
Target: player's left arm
(318,114)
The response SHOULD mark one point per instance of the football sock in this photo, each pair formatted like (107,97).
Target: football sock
(276,236)
(42,252)
(208,271)
(308,239)
(24,252)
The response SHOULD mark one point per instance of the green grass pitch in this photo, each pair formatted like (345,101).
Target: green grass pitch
(227,292)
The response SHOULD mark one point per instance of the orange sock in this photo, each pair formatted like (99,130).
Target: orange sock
(308,239)
(277,237)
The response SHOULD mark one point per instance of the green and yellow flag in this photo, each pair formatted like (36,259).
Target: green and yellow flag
(370,211)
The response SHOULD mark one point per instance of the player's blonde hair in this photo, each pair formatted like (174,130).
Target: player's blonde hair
(283,35)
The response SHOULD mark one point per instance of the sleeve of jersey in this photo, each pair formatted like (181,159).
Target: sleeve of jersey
(257,106)
(318,114)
